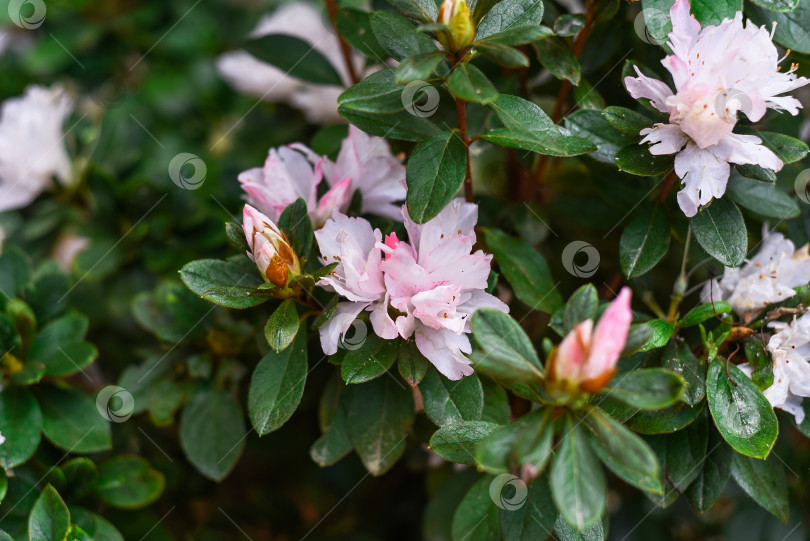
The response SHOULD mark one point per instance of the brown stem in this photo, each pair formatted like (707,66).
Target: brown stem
(669,183)
(332,9)
(461,114)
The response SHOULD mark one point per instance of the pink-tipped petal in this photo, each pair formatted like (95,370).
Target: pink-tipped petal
(610,336)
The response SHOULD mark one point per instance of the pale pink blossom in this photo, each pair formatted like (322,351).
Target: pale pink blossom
(269,248)
(790,351)
(426,288)
(365,164)
(32,146)
(718,71)
(587,357)
(68,248)
(767,278)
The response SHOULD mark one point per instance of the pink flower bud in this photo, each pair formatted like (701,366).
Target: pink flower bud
(269,248)
(587,356)
(460,33)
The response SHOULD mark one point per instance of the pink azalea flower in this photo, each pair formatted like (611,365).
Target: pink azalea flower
(587,357)
(365,163)
(718,71)
(426,288)
(269,248)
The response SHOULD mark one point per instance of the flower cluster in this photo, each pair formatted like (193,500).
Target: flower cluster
(767,278)
(364,164)
(790,351)
(718,71)
(32,148)
(426,288)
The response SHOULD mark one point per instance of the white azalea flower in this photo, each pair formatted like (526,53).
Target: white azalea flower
(790,351)
(718,71)
(767,278)
(32,148)
(2,439)
(251,76)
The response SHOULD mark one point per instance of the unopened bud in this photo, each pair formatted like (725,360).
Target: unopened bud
(269,247)
(460,32)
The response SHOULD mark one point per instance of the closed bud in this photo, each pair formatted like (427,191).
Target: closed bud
(460,32)
(586,358)
(269,248)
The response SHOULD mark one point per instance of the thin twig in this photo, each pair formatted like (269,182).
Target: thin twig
(332,9)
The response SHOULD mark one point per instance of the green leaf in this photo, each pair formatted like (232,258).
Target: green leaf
(354,25)
(277,386)
(645,241)
(435,172)
(622,451)
(678,357)
(503,55)
(664,421)
(371,360)
(470,84)
(636,159)
(60,346)
(720,230)
(527,440)
(791,28)
(761,363)
(526,126)
(507,350)
(760,197)
(282,326)
(295,223)
(710,483)
(764,481)
(569,24)
(3,484)
(379,106)
(412,364)
(566,532)
(662,331)
(232,283)
(15,269)
(335,443)
(380,416)
(419,67)
(681,456)
(476,517)
(447,402)
(557,57)
(787,148)
(49,519)
(583,304)
(81,475)
(743,415)
(128,482)
(704,312)
(530,519)
(295,57)
(71,421)
(425,11)
(714,11)
(20,424)
(172,312)
(526,271)
(496,403)
(756,172)
(457,442)
(236,236)
(508,15)
(577,481)
(647,388)
(626,120)
(591,125)
(212,432)
(398,36)
(778,5)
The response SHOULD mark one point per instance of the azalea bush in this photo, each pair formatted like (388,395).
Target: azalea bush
(507,269)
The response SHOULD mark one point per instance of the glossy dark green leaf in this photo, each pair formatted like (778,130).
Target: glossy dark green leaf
(756,172)
(212,432)
(277,386)
(457,442)
(20,424)
(760,361)
(720,230)
(664,421)
(714,474)
(566,532)
(15,269)
(295,223)
(398,36)
(760,197)
(743,415)
(678,357)
(295,57)
(128,482)
(335,443)
(71,421)
(447,402)
(503,55)
(507,350)
(282,326)
(230,283)
(418,67)
(531,518)
(507,15)
(496,402)
(558,58)
(778,5)
(526,271)
(412,365)
(354,25)
(681,456)
(527,440)
(49,519)
(436,171)
(370,360)
(591,125)
(661,332)
(569,24)
(425,11)
(764,481)
(714,11)
(60,346)
(380,415)
(626,120)
(469,83)
(647,388)
(645,241)
(791,27)
(476,518)
(787,148)
(637,160)
(583,304)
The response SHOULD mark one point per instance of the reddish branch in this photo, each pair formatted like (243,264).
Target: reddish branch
(461,114)
(332,9)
